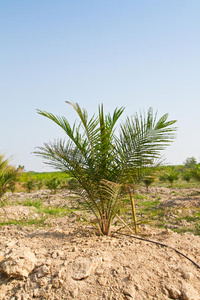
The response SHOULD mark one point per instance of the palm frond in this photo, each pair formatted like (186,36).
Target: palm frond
(142,139)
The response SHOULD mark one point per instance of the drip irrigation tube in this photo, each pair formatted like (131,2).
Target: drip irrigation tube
(160,244)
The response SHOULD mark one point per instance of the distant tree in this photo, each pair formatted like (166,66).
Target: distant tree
(73,184)
(187,176)
(190,162)
(171,176)
(195,172)
(8,175)
(29,185)
(53,184)
(39,184)
(162,177)
(20,168)
(148,180)
(12,187)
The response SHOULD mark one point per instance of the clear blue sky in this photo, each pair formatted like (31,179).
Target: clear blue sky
(128,53)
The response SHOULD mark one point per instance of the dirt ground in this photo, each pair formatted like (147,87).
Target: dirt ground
(71,261)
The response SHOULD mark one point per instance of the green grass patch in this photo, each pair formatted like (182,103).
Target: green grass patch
(56,211)
(140,196)
(136,197)
(198,228)
(149,212)
(195,230)
(194,218)
(53,211)
(149,204)
(22,222)
(36,203)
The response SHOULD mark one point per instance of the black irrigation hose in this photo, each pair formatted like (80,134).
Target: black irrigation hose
(161,244)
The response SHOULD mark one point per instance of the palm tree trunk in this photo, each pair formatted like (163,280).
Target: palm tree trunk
(105,226)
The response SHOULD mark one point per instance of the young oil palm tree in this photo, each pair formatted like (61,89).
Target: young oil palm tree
(53,184)
(95,154)
(172,175)
(195,172)
(8,175)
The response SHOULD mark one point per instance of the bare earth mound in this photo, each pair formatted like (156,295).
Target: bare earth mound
(69,261)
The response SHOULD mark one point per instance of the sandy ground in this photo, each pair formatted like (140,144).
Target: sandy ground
(71,261)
